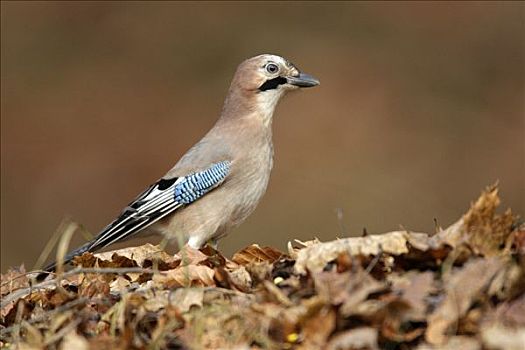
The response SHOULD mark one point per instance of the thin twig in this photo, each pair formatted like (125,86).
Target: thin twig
(340,220)
(374,261)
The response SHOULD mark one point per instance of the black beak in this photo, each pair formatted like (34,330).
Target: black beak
(302,80)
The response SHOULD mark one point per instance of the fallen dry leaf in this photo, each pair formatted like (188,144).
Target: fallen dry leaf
(487,230)
(94,286)
(394,321)
(415,288)
(314,258)
(74,341)
(454,343)
(119,285)
(255,254)
(511,313)
(364,338)
(15,278)
(519,239)
(317,328)
(139,254)
(237,279)
(186,276)
(346,289)
(463,288)
(191,256)
(185,298)
(499,337)
(481,229)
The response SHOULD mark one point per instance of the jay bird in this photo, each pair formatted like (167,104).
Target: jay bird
(217,184)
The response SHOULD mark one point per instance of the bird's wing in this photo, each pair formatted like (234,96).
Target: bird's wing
(159,200)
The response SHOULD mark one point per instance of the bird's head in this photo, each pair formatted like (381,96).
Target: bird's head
(264,79)
(272,73)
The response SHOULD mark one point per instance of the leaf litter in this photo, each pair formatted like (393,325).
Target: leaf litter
(460,288)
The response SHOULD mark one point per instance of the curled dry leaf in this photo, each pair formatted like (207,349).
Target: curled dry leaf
(293,250)
(87,260)
(481,229)
(487,230)
(214,257)
(236,279)
(314,258)
(115,260)
(139,255)
(255,254)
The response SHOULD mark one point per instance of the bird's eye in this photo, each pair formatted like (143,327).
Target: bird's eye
(272,68)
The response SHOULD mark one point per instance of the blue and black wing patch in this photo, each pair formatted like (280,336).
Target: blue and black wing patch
(196,185)
(159,200)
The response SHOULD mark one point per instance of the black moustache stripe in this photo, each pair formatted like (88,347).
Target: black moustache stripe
(272,83)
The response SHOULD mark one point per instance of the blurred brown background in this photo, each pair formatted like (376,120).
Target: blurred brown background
(421,106)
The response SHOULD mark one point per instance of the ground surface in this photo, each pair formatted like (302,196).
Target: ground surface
(458,288)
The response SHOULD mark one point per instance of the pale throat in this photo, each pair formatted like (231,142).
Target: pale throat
(266,103)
